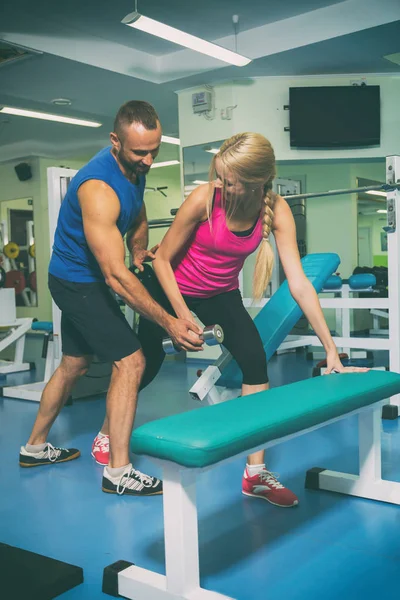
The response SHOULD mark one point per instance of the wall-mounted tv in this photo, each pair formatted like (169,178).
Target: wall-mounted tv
(335,116)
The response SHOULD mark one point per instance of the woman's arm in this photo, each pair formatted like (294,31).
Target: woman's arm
(192,212)
(302,290)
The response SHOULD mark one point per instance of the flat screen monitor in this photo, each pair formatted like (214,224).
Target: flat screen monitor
(335,117)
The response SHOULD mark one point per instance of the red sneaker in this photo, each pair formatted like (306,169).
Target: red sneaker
(265,485)
(101,449)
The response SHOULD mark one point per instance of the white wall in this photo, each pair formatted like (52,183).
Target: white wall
(259,107)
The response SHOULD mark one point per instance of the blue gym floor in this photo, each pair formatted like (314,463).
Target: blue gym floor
(329,546)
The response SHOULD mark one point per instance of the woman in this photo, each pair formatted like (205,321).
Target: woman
(198,264)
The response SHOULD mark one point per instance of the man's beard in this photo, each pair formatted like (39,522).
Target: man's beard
(132,168)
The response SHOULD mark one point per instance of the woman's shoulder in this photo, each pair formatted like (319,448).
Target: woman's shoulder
(282,212)
(199,199)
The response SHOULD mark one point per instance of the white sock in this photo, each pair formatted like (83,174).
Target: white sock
(118,472)
(101,435)
(254,469)
(35,448)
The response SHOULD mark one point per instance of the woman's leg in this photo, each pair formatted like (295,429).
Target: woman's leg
(243,341)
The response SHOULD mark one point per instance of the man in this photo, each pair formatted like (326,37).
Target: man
(103,202)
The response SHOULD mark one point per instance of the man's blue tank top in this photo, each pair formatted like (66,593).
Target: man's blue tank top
(71,258)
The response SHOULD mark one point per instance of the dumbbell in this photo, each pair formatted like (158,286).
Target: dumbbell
(212,335)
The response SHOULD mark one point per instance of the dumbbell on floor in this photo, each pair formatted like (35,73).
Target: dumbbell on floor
(212,335)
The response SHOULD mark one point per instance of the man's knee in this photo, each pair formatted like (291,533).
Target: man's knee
(132,365)
(75,366)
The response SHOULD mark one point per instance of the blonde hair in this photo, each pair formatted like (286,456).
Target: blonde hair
(251,160)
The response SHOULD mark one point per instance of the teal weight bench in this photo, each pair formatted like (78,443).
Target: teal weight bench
(186,444)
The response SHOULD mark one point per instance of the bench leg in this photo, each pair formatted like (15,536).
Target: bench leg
(182,580)
(368,484)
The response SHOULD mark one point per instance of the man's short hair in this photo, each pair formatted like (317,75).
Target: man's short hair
(135,111)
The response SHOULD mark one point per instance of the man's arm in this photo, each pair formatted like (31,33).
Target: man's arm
(137,240)
(137,237)
(100,211)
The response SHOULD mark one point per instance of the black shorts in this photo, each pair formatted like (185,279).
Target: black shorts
(91,321)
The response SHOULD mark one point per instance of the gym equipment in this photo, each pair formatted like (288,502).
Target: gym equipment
(12,331)
(11,250)
(345,288)
(32,281)
(32,289)
(187,444)
(95,382)
(2,277)
(391,303)
(33,391)
(15,276)
(15,279)
(212,335)
(29,575)
(363,281)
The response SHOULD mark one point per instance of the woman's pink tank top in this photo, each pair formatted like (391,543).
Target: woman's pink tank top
(214,256)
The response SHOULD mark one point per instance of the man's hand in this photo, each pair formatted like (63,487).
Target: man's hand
(185,334)
(140,256)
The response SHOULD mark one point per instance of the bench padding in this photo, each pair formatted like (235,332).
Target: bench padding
(209,434)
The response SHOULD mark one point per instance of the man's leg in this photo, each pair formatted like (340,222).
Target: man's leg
(56,393)
(121,405)
(119,476)
(150,337)
(38,451)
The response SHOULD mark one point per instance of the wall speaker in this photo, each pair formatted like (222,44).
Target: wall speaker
(23,171)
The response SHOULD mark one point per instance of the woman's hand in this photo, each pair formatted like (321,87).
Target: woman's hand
(334,365)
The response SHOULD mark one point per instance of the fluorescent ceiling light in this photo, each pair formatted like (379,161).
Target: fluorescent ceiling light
(47,116)
(394,58)
(376,193)
(213,150)
(138,21)
(199,181)
(167,139)
(166,163)
(382,210)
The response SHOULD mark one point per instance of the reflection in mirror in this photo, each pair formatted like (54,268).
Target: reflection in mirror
(17,250)
(196,163)
(372,239)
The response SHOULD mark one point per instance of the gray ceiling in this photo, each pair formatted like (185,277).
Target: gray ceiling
(88,52)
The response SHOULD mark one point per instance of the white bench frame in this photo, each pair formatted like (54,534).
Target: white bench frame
(16,336)
(182,579)
(33,391)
